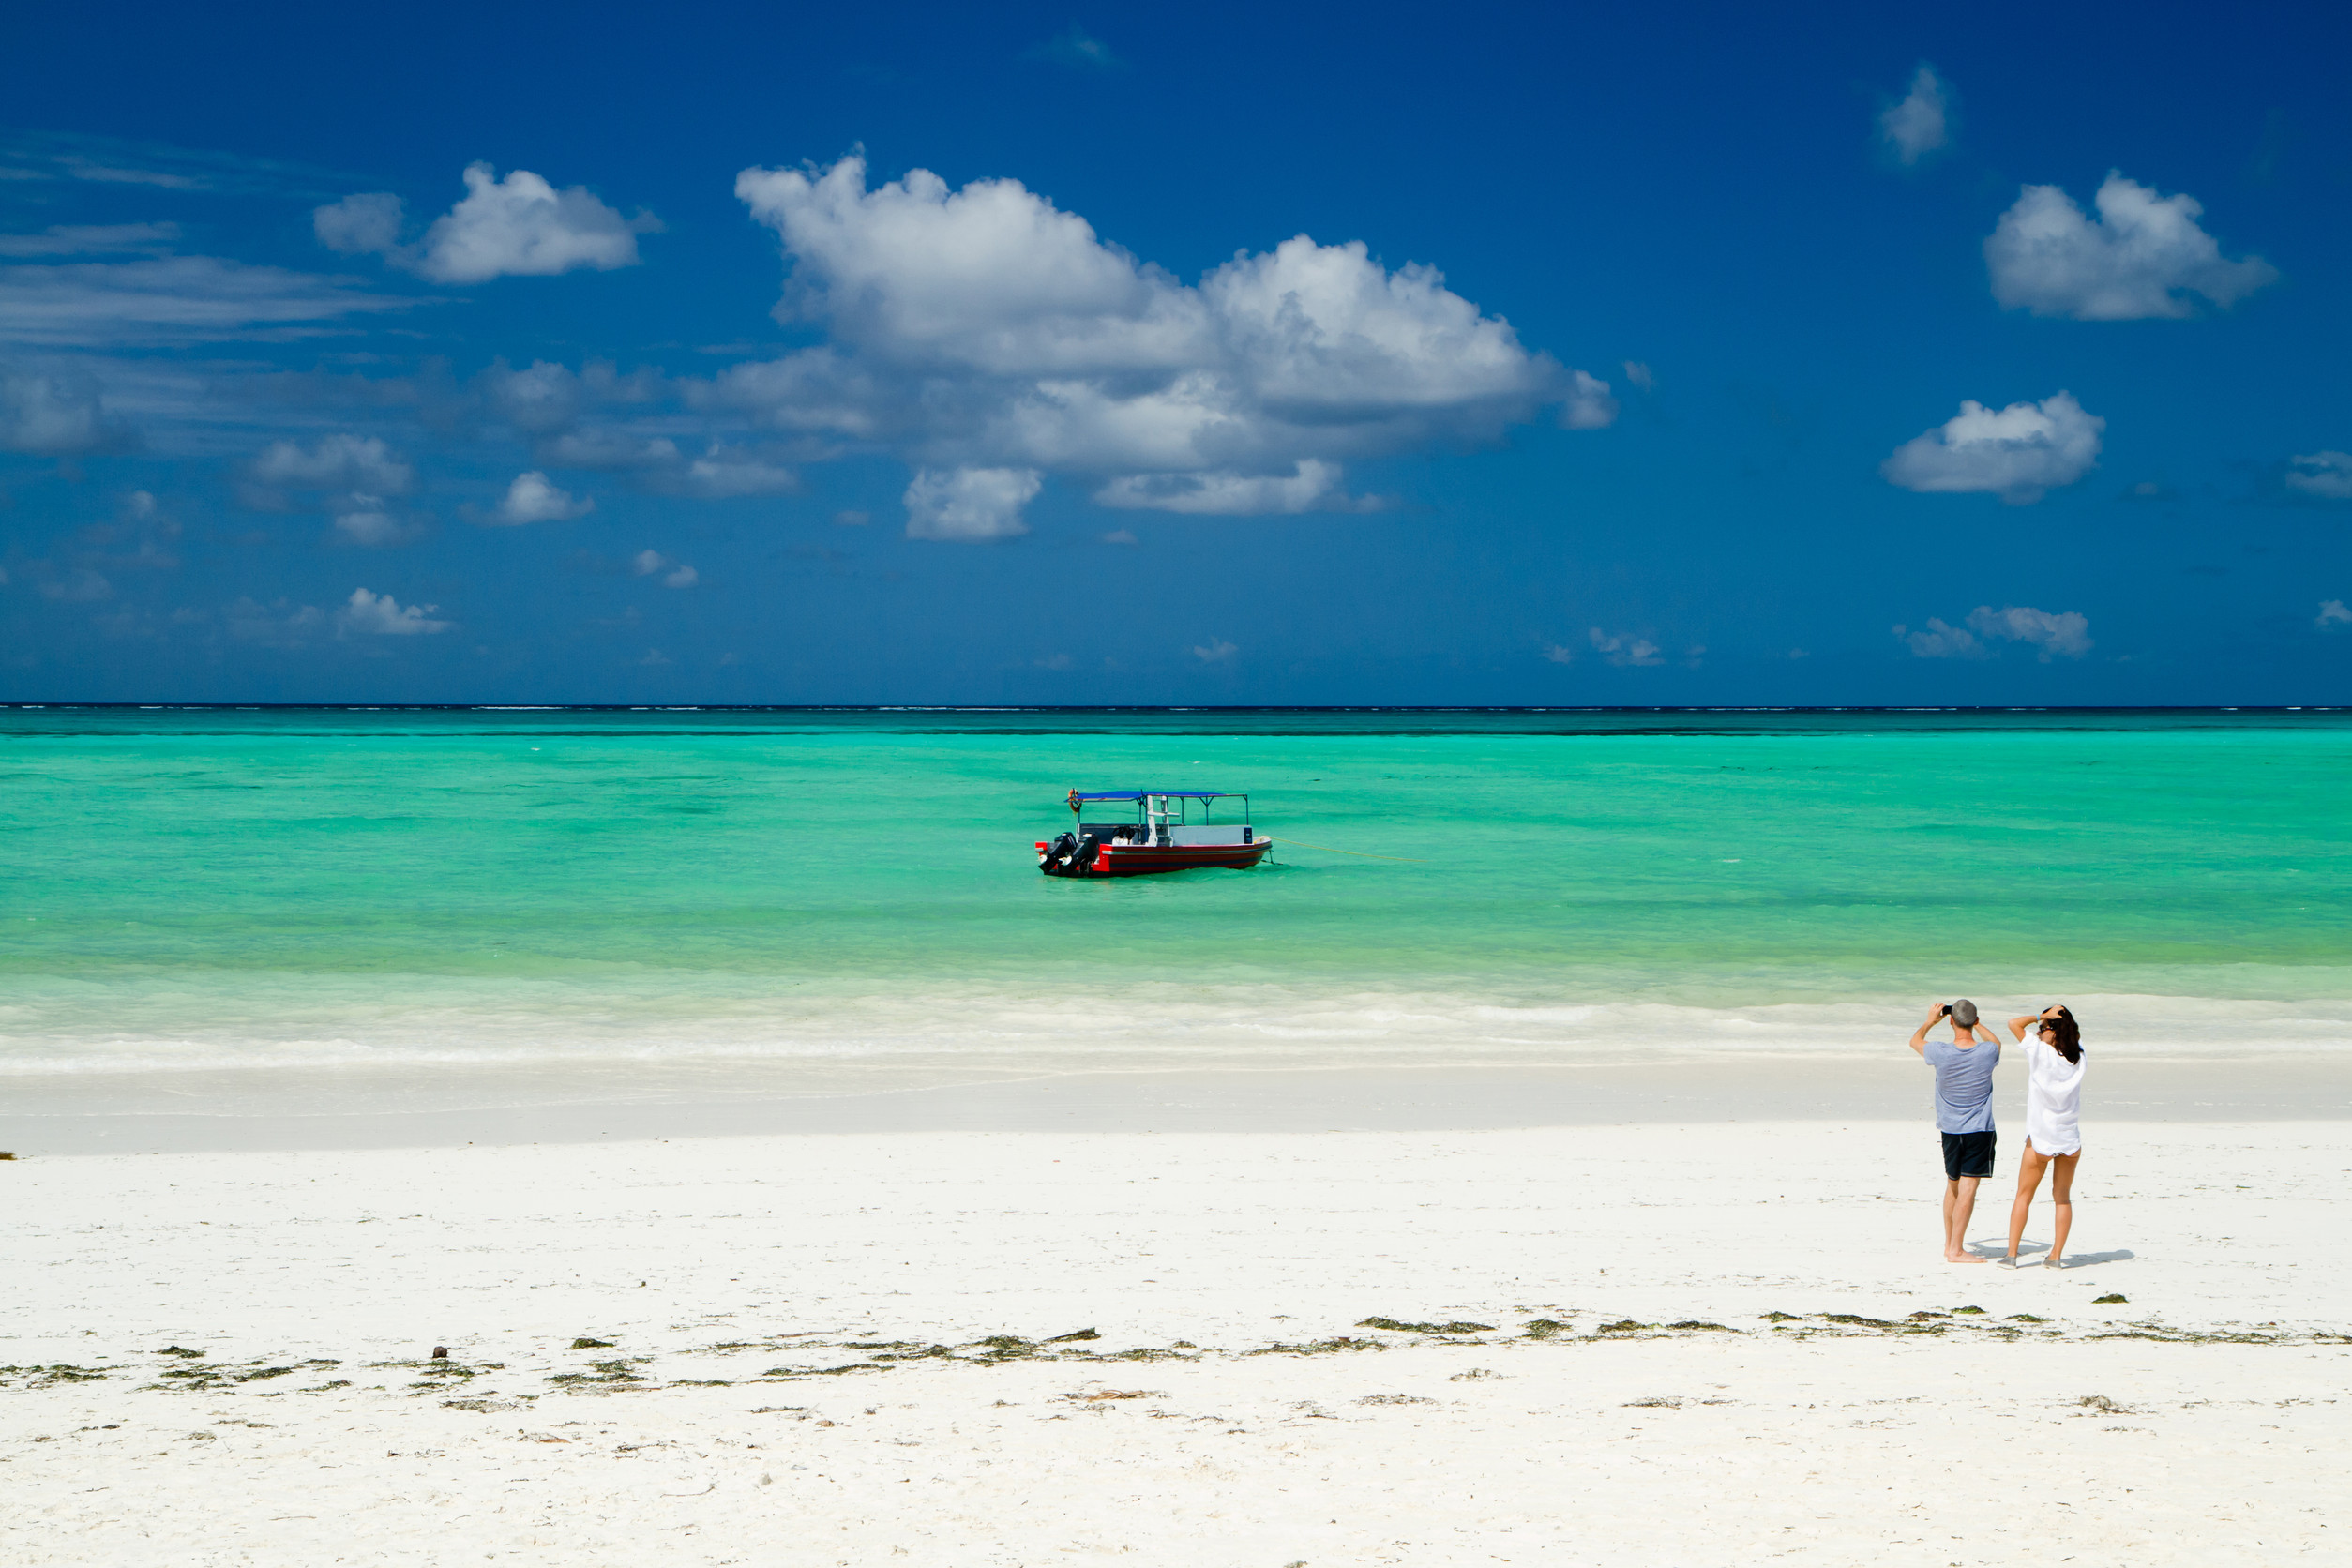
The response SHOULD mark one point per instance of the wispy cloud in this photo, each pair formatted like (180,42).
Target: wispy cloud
(1079,50)
(93,239)
(174,300)
(2325,475)
(67,156)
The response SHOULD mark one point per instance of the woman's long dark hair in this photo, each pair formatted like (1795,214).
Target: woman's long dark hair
(2069,1043)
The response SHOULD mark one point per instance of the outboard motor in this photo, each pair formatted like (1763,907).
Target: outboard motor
(1058,851)
(1082,859)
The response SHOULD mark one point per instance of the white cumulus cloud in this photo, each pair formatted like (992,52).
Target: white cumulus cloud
(360,463)
(1920,124)
(1623,648)
(533,498)
(2018,453)
(2325,475)
(366,614)
(366,521)
(673,574)
(2141,257)
(1215,650)
(2332,613)
(1589,405)
(970,504)
(2064,634)
(984,330)
(1938,641)
(515,226)
(2067,633)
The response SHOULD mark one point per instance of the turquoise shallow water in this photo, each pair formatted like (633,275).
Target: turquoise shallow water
(212,889)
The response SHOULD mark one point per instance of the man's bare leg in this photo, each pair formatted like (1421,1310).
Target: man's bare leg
(2062,1199)
(2029,1181)
(1959,1205)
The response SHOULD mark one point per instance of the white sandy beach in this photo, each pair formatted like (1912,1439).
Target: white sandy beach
(841,1349)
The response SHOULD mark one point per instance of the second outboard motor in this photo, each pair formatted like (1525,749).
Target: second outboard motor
(1082,859)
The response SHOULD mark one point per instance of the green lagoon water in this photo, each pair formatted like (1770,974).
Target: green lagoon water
(205,889)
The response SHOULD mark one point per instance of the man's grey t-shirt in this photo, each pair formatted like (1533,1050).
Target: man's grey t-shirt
(1964,1084)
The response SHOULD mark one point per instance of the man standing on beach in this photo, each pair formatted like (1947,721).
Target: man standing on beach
(1963,1113)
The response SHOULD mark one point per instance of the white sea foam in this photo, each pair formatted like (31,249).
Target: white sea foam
(424,1021)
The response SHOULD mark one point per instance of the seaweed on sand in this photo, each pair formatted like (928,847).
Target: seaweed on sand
(50,1377)
(1393,1326)
(790,1374)
(614,1373)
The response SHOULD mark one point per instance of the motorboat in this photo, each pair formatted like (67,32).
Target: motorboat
(1161,836)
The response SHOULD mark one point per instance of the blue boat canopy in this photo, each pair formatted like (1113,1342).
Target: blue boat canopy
(1139,795)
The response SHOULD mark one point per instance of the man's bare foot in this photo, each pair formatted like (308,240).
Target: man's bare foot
(1963,1258)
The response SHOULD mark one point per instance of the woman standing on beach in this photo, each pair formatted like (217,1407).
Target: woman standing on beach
(2054,1095)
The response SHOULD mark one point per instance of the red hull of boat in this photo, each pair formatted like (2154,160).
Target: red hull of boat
(1135,860)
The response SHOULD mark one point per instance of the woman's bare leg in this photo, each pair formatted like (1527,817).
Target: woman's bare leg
(2029,1183)
(2062,1197)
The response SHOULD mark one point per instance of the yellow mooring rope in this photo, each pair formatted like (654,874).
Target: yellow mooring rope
(1359,854)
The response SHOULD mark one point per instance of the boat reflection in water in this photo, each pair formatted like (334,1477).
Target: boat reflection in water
(1162,836)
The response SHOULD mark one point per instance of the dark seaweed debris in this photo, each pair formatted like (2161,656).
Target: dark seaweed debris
(1393,1326)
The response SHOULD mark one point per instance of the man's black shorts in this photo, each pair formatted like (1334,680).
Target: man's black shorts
(1967,1154)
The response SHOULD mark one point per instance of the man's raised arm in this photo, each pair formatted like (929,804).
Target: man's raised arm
(1919,1036)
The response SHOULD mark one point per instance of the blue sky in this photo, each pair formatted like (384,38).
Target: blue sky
(1201,355)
